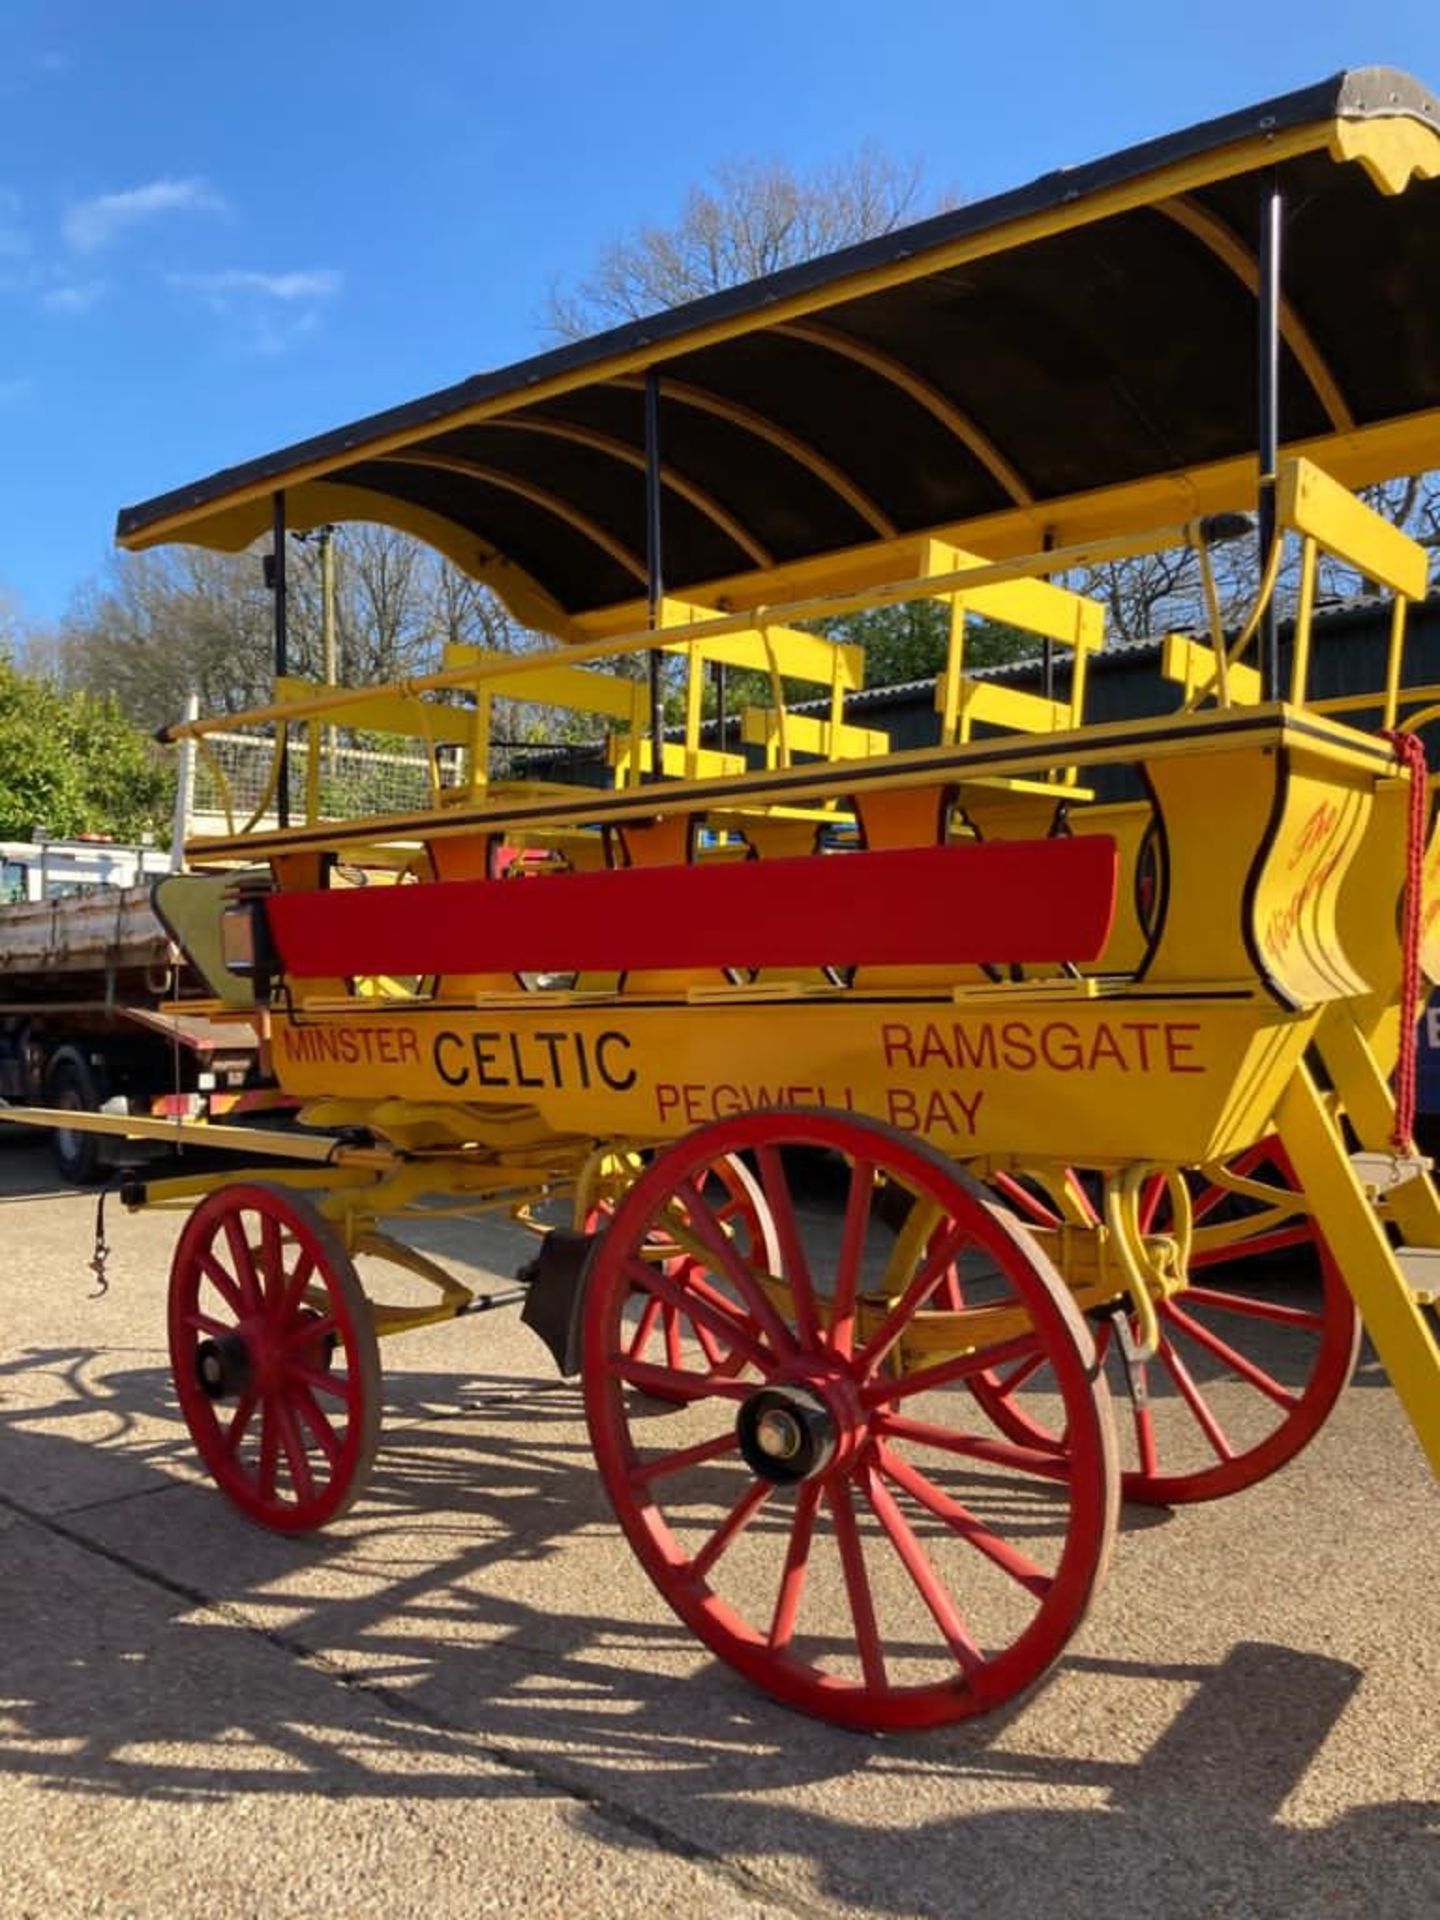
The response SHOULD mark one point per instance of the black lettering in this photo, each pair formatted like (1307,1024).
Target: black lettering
(552,1043)
(617,1082)
(454,1040)
(522,1079)
(482,1045)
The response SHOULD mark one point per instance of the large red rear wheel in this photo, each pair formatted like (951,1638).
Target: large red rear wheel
(826,1508)
(275,1360)
(1253,1353)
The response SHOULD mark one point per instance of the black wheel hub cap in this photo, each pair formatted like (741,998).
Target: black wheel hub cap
(786,1434)
(223,1367)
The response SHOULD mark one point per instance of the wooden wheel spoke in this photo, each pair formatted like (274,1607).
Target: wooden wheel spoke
(313,1415)
(1030,1204)
(243,1261)
(958,1517)
(649,1314)
(793,1262)
(917,1564)
(1238,1364)
(704,1307)
(302,1480)
(1052,1463)
(336,1386)
(858,1201)
(1195,1400)
(293,1292)
(857,1586)
(267,1467)
(1028,1368)
(272,1266)
(674,1351)
(233,1432)
(964,1366)
(204,1323)
(707,1343)
(734,1523)
(797,1562)
(665,1384)
(311,1332)
(736,1270)
(1146,1448)
(225,1284)
(1250,1308)
(719,1447)
(933,1269)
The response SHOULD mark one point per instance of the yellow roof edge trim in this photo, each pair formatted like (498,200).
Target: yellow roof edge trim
(1392,151)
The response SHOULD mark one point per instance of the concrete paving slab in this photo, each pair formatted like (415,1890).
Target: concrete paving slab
(1245,1726)
(157,1760)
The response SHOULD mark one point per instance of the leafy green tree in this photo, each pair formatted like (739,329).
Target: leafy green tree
(70,763)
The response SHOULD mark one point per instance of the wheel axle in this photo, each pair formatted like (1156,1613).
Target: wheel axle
(787,1434)
(222,1367)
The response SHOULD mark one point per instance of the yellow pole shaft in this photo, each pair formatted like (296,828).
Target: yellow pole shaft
(1407,1348)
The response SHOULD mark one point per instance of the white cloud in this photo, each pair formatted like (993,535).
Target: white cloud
(267,312)
(316,283)
(91,224)
(75,297)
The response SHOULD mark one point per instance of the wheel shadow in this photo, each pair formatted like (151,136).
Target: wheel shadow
(471,1632)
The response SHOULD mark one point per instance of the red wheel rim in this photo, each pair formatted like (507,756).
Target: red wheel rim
(274,1357)
(834,1520)
(1252,1358)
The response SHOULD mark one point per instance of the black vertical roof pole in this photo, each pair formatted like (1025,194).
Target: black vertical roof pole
(1047,649)
(1268,415)
(655,562)
(282,651)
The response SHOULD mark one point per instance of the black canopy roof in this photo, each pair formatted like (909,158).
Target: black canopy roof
(1060,360)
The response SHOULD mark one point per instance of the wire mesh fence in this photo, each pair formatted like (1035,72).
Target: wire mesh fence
(237,779)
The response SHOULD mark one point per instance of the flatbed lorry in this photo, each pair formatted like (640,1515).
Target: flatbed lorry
(100,1012)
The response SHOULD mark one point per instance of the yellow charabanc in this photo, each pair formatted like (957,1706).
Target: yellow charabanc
(908,1133)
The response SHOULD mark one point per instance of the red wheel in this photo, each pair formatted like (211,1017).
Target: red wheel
(1251,1360)
(274,1356)
(827,1512)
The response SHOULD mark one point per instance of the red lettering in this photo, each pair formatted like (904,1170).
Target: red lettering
(980,1051)
(1070,1056)
(896,1042)
(1175,1046)
(1106,1047)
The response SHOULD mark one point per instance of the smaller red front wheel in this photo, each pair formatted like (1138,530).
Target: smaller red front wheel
(274,1354)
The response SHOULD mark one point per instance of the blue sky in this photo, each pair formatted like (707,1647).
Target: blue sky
(222,228)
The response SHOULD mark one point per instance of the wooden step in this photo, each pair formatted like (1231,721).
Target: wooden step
(1381,1173)
(1421,1268)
